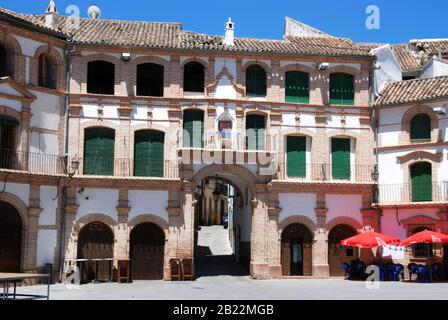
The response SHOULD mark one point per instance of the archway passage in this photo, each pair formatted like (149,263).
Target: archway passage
(297,250)
(10,238)
(95,241)
(337,253)
(223,225)
(147,252)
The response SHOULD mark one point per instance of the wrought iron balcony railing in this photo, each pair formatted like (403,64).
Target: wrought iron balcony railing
(45,164)
(389,194)
(303,172)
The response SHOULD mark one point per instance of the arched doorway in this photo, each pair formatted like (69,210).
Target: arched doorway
(10,238)
(297,250)
(337,253)
(147,252)
(95,241)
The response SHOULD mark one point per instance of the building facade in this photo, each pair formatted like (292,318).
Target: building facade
(109,130)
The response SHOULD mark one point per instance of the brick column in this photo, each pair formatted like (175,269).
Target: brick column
(121,248)
(70,235)
(185,244)
(259,265)
(274,237)
(176,77)
(174,221)
(123,164)
(274,90)
(321,268)
(34,210)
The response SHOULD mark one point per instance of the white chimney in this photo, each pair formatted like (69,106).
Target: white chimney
(229,38)
(51,16)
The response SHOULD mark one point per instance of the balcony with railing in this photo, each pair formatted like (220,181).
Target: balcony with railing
(53,165)
(229,141)
(391,194)
(306,172)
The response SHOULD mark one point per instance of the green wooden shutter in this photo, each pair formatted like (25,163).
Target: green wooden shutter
(149,153)
(296,156)
(342,90)
(255,81)
(340,152)
(297,87)
(99,151)
(255,132)
(421,128)
(421,175)
(194,126)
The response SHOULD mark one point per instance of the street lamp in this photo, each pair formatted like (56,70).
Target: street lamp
(375,173)
(74,166)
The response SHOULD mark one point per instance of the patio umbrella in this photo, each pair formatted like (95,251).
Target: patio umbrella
(428,237)
(369,239)
(425,236)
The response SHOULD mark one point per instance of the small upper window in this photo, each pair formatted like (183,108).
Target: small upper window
(255,81)
(194,77)
(342,90)
(47,72)
(3,62)
(100,77)
(150,80)
(297,87)
(421,128)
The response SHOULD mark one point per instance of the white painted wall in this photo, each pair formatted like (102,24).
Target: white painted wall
(44,143)
(297,204)
(435,68)
(148,202)
(344,206)
(21,191)
(49,205)
(46,244)
(103,201)
(390,68)
(45,111)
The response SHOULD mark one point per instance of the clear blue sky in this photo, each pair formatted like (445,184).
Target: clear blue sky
(401,20)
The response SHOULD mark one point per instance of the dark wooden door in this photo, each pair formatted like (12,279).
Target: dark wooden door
(296,247)
(147,252)
(95,241)
(10,238)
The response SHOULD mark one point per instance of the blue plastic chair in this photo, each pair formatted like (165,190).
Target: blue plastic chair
(412,267)
(347,270)
(436,271)
(360,269)
(395,271)
(423,274)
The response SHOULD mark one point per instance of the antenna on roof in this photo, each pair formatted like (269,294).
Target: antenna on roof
(94,12)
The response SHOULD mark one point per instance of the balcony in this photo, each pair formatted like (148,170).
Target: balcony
(325,173)
(391,194)
(53,165)
(231,141)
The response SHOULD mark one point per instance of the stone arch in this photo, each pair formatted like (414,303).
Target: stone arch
(421,156)
(14,49)
(95,217)
(10,112)
(195,59)
(150,218)
(411,113)
(59,61)
(20,206)
(355,224)
(244,175)
(262,64)
(298,219)
(207,71)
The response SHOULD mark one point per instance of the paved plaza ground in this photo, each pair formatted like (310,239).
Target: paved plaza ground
(242,287)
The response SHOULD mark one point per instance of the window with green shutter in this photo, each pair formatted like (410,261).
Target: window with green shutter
(421,128)
(255,132)
(149,153)
(193,129)
(99,151)
(340,158)
(296,156)
(421,175)
(297,87)
(255,81)
(342,89)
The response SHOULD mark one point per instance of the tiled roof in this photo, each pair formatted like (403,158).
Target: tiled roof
(406,57)
(413,91)
(171,36)
(432,47)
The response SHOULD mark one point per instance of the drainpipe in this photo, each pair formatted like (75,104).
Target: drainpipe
(68,54)
(375,118)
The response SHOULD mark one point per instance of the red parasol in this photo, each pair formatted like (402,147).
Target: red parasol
(426,236)
(369,239)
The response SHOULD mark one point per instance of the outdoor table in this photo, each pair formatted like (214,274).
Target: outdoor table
(14,278)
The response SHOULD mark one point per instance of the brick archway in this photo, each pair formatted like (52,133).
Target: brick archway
(307,222)
(355,224)
(94,217)
(149,218)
